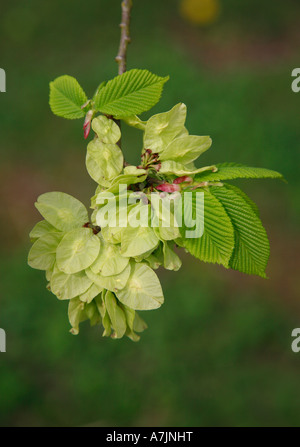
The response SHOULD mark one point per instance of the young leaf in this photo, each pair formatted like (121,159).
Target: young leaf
(67,97)
(132,93)
(252,249)
(217,242)
(230,171)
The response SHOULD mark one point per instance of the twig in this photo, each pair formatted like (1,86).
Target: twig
(121,58)
(125,35)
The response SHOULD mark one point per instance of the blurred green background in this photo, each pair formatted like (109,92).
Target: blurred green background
(218,353)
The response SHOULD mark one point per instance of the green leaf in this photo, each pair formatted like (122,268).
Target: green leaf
(116,315)
(230,171)
(132,93)
(143,290)
(252,249)
(67,97)
(66,287)
(77,251)
(217,242)
(62,211)
(162,128)
(186,149)
(244,196)
(42,254)
(103,161)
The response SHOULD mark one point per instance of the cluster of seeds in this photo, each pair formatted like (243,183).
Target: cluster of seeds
(105,266)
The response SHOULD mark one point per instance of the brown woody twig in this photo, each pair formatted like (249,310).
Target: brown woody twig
(125,35)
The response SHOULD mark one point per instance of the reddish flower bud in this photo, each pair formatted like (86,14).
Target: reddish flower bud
(87,123)
(182,179)
(167,187)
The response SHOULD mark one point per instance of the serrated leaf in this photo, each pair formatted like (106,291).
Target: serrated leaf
(67,97)
(132,93)
(252,249)
(217,242)
(245,197)
(230,171)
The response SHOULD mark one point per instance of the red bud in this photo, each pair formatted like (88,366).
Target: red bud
(182,179)
(167,187)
